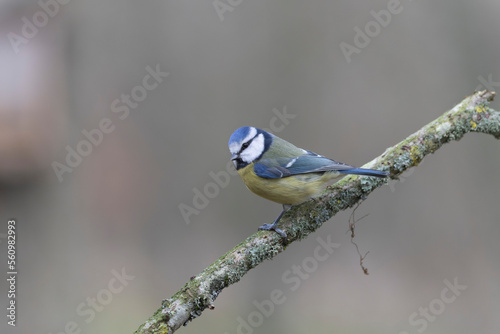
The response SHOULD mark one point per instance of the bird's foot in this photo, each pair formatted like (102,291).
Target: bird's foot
(272,227)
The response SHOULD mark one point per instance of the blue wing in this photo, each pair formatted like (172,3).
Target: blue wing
(308,163)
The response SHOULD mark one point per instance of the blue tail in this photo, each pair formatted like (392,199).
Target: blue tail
(366,172)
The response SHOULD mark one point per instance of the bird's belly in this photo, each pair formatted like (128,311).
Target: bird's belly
(288,190)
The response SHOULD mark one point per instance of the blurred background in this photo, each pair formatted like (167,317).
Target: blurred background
(114,114)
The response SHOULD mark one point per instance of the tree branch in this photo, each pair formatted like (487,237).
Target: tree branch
(470,115)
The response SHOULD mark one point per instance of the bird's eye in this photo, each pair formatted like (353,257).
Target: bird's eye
(245,145)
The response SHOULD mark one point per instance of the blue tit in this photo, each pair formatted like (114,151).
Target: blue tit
(279,171)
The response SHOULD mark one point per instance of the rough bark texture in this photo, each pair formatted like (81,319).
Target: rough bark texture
(470,115)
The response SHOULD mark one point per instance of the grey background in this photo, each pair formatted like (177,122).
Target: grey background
(120,207)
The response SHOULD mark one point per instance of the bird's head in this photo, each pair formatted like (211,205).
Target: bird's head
(248,144)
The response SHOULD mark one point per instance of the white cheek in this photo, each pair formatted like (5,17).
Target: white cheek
(255,149)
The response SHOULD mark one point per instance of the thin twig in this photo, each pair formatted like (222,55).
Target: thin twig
(352,226)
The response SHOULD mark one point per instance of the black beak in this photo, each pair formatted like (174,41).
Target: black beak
(234,156)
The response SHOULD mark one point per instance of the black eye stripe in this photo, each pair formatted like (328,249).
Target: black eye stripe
(245,145)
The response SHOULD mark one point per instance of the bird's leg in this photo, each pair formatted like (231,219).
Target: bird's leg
(273,226)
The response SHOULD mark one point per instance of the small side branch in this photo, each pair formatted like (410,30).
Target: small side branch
(471,115)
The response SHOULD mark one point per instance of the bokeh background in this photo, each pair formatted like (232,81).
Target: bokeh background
(243,64)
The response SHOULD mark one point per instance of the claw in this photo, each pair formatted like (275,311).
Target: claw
(273,226)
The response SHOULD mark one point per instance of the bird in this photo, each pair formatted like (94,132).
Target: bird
(281,172)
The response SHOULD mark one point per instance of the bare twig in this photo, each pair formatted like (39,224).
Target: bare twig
(470,115)
(352,226)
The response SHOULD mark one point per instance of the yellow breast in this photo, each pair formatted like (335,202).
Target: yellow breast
(288,190)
